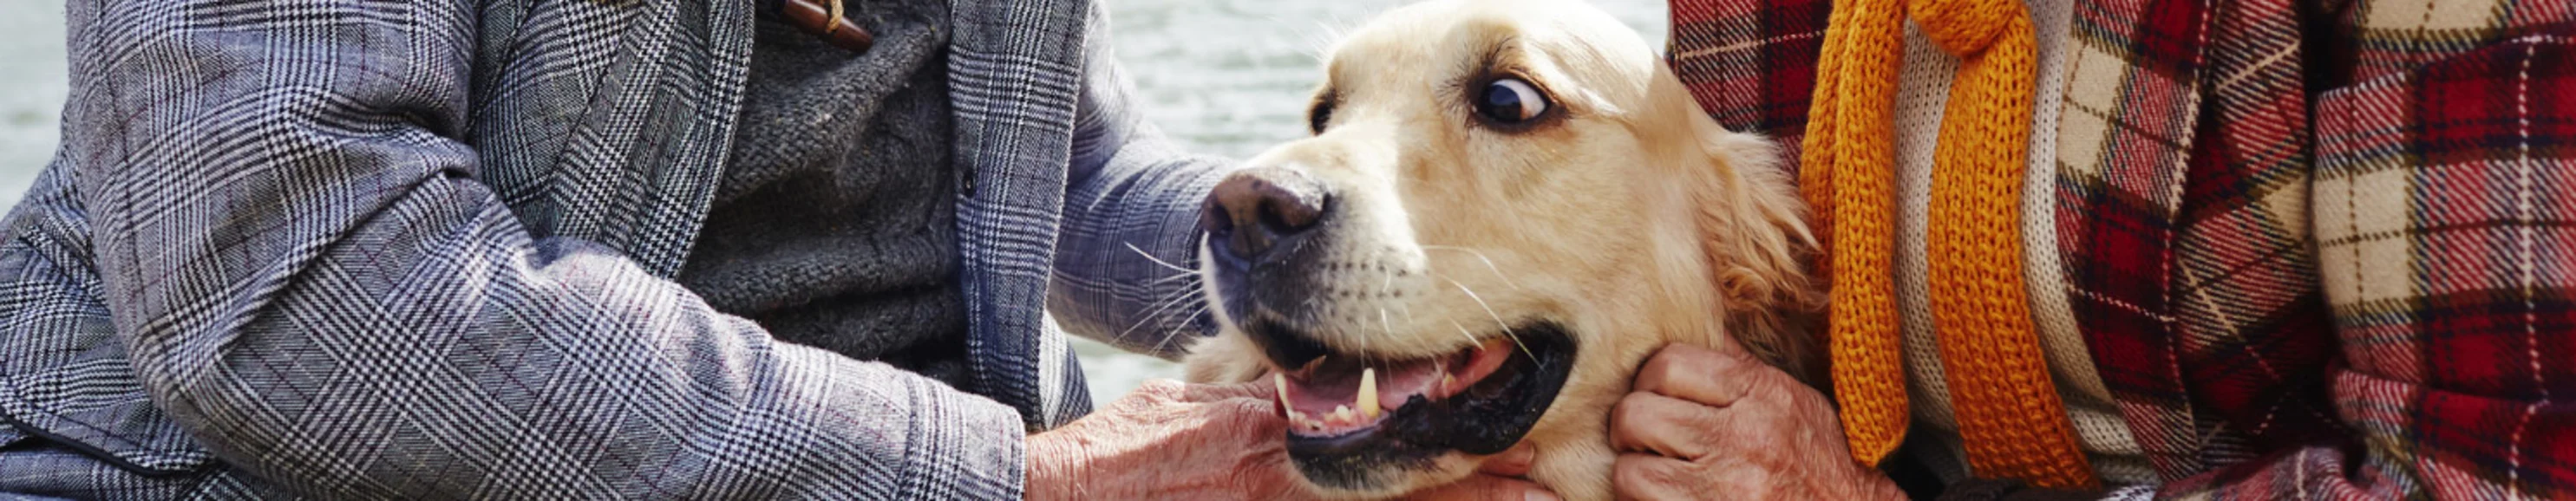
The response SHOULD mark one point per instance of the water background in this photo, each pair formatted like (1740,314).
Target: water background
(1227,77)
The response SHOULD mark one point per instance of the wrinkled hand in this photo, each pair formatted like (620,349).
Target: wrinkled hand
(1709,424)
(1168,440)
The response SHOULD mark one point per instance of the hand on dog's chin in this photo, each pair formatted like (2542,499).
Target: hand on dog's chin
(1705,423)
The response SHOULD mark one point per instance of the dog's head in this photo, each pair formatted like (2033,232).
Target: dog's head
(1504,206)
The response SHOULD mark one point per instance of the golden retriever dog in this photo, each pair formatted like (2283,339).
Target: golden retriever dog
(1506,206)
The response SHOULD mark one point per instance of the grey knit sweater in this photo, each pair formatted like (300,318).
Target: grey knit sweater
(835,223)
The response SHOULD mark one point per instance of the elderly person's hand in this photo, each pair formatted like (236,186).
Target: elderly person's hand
(1174,441)
(1719,424)
(1168,440)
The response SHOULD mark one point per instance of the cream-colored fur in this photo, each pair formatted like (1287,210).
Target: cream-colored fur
(1633,220)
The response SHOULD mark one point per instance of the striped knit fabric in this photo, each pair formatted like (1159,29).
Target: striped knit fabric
(2010,415)
(2012,423)
(1847,180)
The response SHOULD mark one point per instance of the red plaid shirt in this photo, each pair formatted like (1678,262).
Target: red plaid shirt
(2317,250)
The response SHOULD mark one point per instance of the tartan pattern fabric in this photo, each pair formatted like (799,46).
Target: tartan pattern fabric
(2390,38)
(366,250)
(2443,197)
(2259,351)
(2183,226)
(2118,189)
(1751,63)
(59,472)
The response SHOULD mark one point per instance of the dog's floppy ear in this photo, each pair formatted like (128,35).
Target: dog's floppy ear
(1755,233)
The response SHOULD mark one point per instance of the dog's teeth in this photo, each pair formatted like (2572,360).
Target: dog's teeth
(1280,381)
(1341,414)
(1368,393)
(1448,383)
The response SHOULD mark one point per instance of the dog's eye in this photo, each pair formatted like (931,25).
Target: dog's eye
(1320,113)
(1510,101)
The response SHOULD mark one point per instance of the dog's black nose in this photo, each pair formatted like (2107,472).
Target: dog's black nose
(1254,209)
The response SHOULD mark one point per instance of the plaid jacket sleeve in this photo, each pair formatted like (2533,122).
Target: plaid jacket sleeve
(1131,233)
(292,240)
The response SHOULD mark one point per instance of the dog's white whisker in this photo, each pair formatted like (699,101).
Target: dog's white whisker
(1383,326)
(1150,257)
(1498,318)
(1155,313)
(1177,330)
(1480,255)
(1462,332)
(1387,282)
(1183,293)
(1168,279)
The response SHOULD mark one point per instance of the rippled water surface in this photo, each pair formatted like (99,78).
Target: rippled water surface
(31,91)
(1227,77)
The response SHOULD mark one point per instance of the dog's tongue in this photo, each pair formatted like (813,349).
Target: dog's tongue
(1331,395)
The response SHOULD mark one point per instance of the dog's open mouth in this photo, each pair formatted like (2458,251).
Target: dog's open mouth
(1352,415)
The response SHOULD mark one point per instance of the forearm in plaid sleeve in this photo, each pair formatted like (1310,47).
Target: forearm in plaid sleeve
(1131,230)
(312,284)
(438,353)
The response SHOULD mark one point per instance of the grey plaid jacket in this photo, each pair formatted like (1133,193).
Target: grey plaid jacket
(415,249)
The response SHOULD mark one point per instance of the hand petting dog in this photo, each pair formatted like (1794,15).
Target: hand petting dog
(1167,440)
(1707,424)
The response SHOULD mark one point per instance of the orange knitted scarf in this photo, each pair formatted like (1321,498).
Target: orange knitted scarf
(2010,416)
